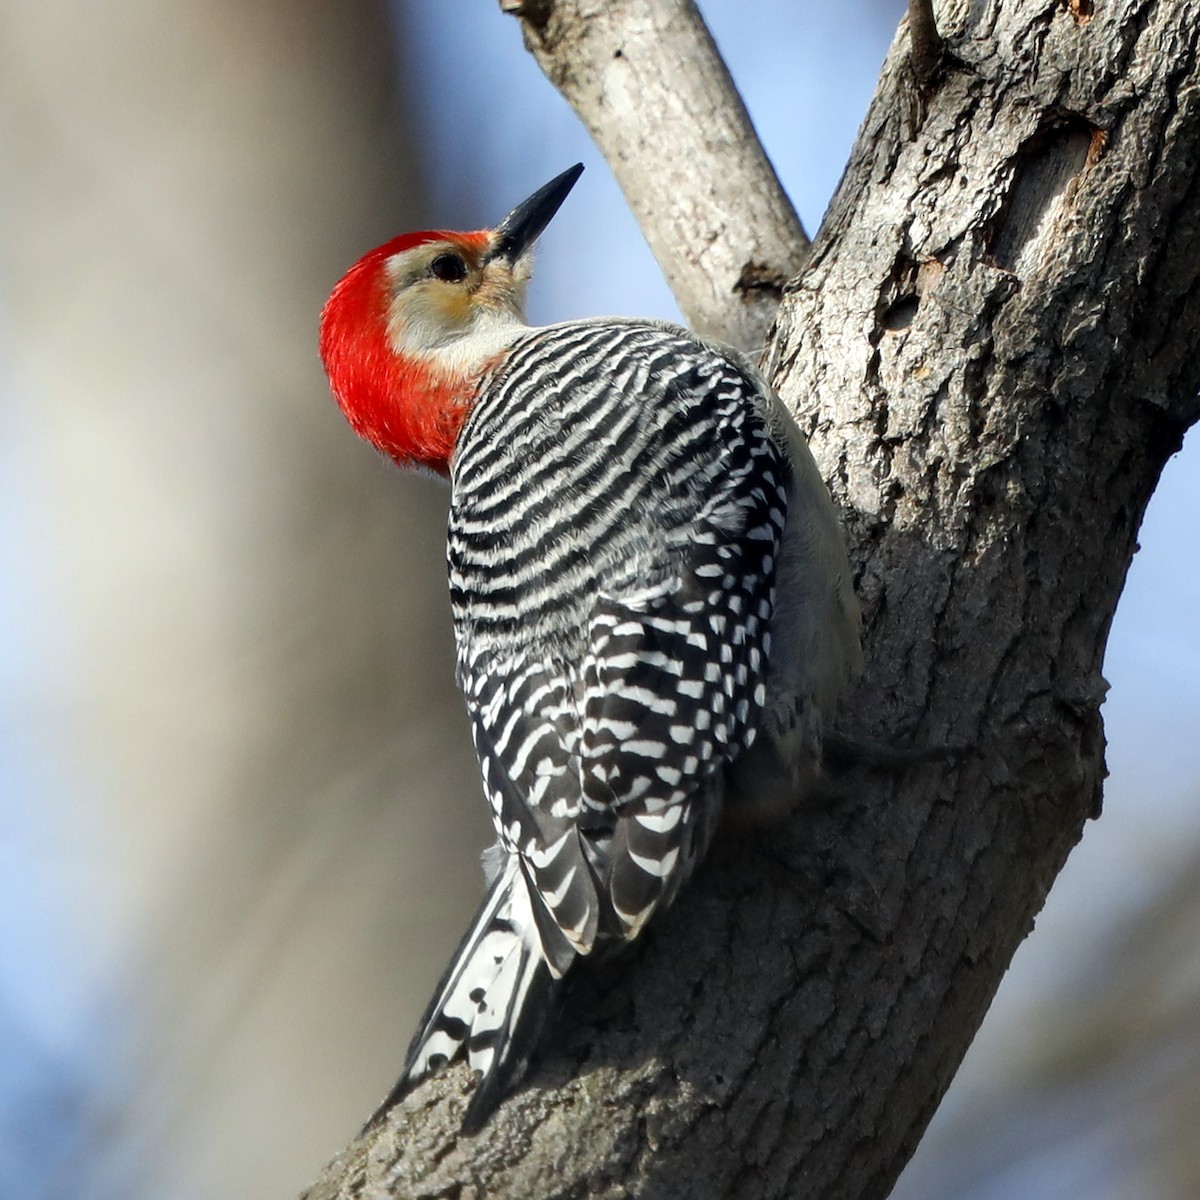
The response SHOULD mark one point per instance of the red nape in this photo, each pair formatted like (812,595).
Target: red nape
(404,407)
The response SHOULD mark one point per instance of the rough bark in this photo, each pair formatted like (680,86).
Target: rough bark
(652,89)
(994,347)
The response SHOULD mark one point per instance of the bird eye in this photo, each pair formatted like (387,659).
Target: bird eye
(449,268)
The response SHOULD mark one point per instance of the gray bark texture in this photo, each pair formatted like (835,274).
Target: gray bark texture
(994,347)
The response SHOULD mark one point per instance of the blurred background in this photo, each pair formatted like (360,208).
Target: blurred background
(239,815)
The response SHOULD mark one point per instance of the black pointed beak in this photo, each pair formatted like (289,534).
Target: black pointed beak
(523,226)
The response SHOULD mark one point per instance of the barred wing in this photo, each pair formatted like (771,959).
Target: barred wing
(618,505)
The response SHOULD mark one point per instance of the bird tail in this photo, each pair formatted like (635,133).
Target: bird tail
(493,1001)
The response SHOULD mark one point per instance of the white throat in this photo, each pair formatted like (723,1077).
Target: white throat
(466,353)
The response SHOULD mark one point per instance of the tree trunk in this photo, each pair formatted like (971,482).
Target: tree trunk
(994,349)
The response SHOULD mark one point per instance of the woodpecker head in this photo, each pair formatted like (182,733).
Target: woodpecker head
(412,326)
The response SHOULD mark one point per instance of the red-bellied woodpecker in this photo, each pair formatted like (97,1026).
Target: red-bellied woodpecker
(651,601)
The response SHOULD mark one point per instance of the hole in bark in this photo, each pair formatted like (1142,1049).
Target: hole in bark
(901,313)
(759,280)
(1044,185)
(536,12)
(902,294)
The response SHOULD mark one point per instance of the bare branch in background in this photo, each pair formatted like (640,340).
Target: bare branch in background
(650,85)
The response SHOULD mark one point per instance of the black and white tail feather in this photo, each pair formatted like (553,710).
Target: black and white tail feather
(501,986)
(493,1001)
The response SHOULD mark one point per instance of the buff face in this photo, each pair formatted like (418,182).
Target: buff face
(444,290)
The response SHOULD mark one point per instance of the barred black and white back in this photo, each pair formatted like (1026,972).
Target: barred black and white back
(620,492)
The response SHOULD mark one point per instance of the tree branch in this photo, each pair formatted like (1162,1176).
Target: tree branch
(994,346)
(652,89)
(926,47)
